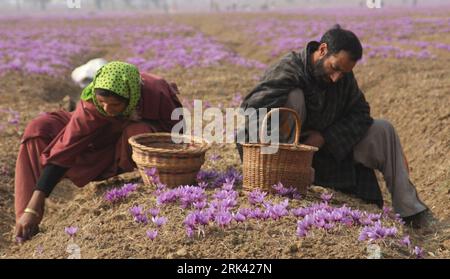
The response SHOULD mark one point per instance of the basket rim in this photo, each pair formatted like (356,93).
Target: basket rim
(201,145)
(291,146)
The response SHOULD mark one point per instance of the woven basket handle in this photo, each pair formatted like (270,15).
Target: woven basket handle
(298,123)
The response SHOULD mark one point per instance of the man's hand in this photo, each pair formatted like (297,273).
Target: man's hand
(315,138)
(27,225)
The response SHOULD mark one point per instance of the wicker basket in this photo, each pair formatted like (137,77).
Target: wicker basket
(176,163)
(290,165)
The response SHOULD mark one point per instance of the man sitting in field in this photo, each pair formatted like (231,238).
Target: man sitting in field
(319,84)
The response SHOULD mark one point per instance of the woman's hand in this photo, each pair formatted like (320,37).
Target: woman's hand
(27,225)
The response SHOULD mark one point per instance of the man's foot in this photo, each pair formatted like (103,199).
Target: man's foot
(423,220)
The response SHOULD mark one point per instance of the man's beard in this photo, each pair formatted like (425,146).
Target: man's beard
(319,73)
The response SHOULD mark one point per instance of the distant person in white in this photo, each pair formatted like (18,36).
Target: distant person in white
(84,74)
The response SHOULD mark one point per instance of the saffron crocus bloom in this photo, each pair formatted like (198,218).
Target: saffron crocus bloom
(418,252)
(302,231)
(256,197)
(154,211)
(199,204)
(223,218)
(142,219)
(190,220)
(136,210)
(245,211)
(326,197)
(159,221)
(150,172)
(298,212)
(406,241)
(151,234)
(203,217)
(71,231)
(189,232)
(238,217)
(117,194)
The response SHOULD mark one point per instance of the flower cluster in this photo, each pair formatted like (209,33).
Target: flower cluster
(283,35)
(214,179)
(141,216)
(290,192)
(115,195)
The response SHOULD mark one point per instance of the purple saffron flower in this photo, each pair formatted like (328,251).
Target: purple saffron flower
(239,217)
(71,231)
(206,175)
(356,215)
(203,217)
(326,197)
(299,212)
(138,214)
(278,210)
(151,234)
(245,211)
(199,205)
(223,218)
(255,213)
(189,232)
(290,192)
(40,249)
(154,211)
(142,219)
(190,220)
(301,230)
(348,221)
(329,226)
(159,221)
(406,241)
(366,222)
(418,252)
(136,210)
(150,172)
(256,197)
(115,195)
(229,184)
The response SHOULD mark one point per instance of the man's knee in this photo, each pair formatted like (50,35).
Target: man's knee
(383,127)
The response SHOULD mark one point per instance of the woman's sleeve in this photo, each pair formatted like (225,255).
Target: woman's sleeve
(50,176)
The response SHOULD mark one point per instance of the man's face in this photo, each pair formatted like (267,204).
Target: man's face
(331,68)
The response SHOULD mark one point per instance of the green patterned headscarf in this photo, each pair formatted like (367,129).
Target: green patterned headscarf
(121,78)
